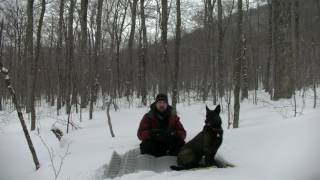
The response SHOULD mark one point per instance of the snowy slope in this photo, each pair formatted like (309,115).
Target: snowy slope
(270,144)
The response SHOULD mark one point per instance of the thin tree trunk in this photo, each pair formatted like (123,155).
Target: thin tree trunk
(267,82)
(59,56)
(164,42)
(11,90)
(84,51)
(96,51)
(35,66)
(130,47)
(1,47)
(143,55)
(294,44)
(29,57)
(220,52)
(237,67)
(69,61)
(175,89)
(109,118)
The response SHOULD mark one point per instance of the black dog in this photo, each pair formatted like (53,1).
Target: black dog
(206,144)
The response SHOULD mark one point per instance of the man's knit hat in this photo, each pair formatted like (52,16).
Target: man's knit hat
(162,97)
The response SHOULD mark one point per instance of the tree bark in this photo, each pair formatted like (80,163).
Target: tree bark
(175,90)
(59,57)
(35,66)
(237,67)
(164,42)
(96,52)
(144,54)
(282,50)
(11,90)
(267,82)
(69,61)
(130,46)
(29,57)
(84,52)
(220,52)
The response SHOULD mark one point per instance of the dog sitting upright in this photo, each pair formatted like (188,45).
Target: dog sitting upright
(206,144)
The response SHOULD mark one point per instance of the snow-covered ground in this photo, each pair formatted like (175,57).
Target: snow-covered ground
(270,143)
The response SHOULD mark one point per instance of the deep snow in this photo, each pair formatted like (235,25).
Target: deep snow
(270,143)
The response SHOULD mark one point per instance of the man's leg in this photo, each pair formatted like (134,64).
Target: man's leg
(153,148)
(175,146)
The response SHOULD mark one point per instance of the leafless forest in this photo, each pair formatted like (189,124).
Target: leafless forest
(69,53)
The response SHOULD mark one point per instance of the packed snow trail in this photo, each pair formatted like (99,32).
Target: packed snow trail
(132,162)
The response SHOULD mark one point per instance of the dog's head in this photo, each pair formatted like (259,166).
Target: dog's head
(213,117)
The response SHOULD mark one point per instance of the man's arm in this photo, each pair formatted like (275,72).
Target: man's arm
(144,129)
(181,132)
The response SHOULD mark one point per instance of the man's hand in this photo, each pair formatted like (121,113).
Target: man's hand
(157,133)
(164,135)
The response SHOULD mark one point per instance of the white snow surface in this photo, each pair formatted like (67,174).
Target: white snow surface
(270,144)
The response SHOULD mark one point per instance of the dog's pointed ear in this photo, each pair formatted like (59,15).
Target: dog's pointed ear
(208,110)
(218,109)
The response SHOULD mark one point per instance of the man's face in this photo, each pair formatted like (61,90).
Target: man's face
(161,106)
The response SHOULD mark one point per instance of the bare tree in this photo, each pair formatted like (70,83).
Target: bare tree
(244,65)
(283,87)
(84,51)
(5,73)
(164,42)
(59,57)
(130,45)
(237,66)
(96,52)
(144,54)
(175,89)
(29,58)
(1,48)
(35,66)
(69,62)
(220,50)
(267,82)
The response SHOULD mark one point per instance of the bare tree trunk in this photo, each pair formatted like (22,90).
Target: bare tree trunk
(143,54)
(69,61)
(175,89)
(1,47)
(11,90)
(244,62)
(96,51)
(267,82)
(164,42)
(295,49)
(282,50)
(237,67)
(244,70)
(59,57)
(130,47)
(35,66)
(109,118)
(84,52)
(220,51)
(29,57)
(314,72)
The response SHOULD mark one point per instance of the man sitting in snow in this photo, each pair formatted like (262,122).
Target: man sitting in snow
(160,130)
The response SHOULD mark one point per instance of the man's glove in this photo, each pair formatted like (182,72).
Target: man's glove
(163,135)
(157,133)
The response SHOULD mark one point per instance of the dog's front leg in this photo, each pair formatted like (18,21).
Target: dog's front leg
(209,159)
